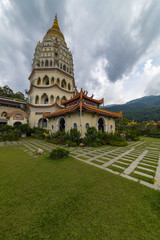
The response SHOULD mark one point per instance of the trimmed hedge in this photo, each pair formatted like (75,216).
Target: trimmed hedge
(59,153)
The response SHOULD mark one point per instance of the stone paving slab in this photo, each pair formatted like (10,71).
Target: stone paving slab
(143,174)
(135,163)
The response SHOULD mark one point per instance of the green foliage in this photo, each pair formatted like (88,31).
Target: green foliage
(61,137)
(5,91)
(97,138)
(11,136)
(133,130)
(74,135)
(39,132)
(7,128)
(71,143)
(25,128)
(59,153)
(91,136)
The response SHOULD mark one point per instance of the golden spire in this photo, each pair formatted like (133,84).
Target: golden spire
(55,30)
(55,24)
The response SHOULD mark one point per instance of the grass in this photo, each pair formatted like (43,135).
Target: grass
(97,162)
(103,159)
(145,166)
(145,171)
(117,169)
(121,164)
(83,157)
(125,161)
(68,199)
(140,177)
(148,162)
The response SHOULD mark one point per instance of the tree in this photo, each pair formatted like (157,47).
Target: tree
(19,95)
(5,91)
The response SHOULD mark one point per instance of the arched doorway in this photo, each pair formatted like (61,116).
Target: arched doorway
(101,124)
(42,123)
(17,125)
(62,124)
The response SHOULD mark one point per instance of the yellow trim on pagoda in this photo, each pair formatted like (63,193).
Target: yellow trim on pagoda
(55,29)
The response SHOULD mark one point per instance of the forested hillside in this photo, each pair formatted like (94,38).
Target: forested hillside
(142,109)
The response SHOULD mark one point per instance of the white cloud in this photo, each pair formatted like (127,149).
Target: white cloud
(112,43)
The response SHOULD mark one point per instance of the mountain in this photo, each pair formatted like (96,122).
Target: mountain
(141,109)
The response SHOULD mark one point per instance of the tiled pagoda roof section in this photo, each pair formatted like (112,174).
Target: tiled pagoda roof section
(17,112)
(80,106)
(82,95)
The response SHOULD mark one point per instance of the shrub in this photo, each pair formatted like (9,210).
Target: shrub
(90,136)
(71,143)
(7,128)
(59,153)
(11,136)
(74,135)
(25,128)
(39,132)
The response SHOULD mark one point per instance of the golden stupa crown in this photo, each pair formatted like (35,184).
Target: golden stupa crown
(55,30)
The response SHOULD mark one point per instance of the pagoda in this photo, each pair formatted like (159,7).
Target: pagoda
(52,76)
(54,101)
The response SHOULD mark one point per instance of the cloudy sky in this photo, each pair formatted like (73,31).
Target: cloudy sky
(115,44)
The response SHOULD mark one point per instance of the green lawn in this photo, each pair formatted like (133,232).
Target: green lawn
(68,199)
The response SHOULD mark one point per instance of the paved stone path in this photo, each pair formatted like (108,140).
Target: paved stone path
(139,161)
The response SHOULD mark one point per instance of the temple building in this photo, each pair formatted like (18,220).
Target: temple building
(13,111)
(52,76)
(54,103)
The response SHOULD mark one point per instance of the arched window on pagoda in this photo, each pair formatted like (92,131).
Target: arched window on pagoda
(46,63)
(51,63)
(46,80)
(39,81)
(64,98)
(64,67)
(52,80)
(69,86)
(63,83)
(58,100)
(44,99)
(37,100)
(51,99)
(58,81)
(61,66)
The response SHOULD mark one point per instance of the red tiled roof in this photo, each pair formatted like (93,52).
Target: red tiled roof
(81,105)
(80,95)
(17,112)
